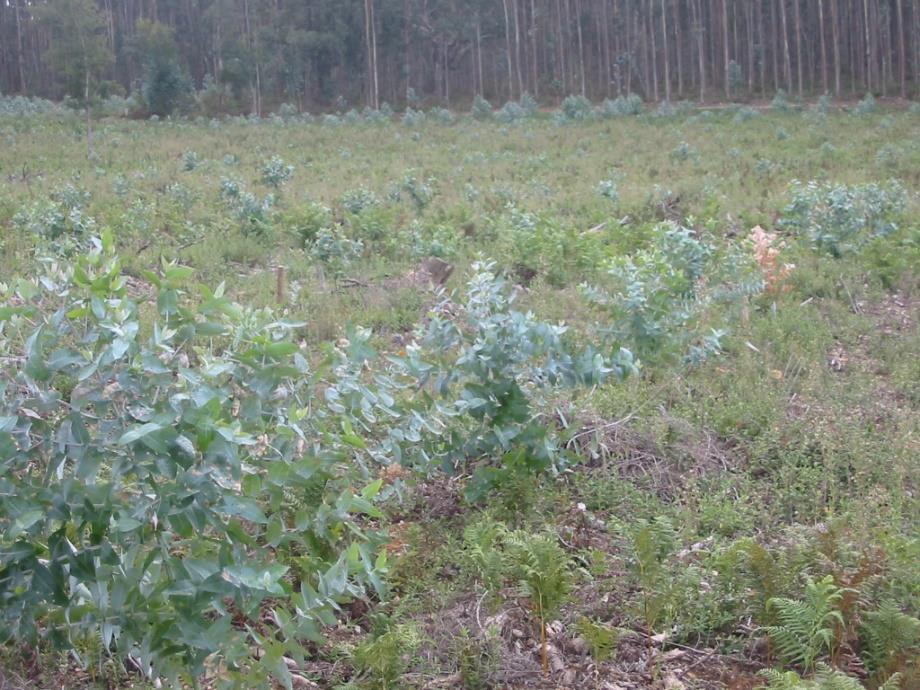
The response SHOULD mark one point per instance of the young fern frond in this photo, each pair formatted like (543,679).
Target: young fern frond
(826,678)
(482,541)
(806,629)
(543,570)
(601,639)
(889,638)
(387,656)
(831,679)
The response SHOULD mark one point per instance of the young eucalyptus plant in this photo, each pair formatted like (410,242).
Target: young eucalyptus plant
(153,475)
(657,300)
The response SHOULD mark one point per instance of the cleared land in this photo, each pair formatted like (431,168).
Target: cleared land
(742,500)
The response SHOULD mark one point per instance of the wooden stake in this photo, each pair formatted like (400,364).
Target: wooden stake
(279,289)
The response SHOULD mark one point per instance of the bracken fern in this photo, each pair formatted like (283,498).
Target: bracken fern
(806,628)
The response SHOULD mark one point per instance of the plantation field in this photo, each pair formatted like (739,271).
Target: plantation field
(290,402)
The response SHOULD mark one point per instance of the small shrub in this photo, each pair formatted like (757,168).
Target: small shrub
(356,200)
(133,486)
(622,106)
(824,104)
(253,214)
(306,221)
(511,112)
(420,191)
(683,152)
(653,543)
(745,114)
(441,115)
(60,224)
(609,189)
(482,109)
(333,248)
(529,105)
(288,112)
(866,106)
(660,294)
(842,219)
(665,109)
(413,118)
(576,108)
(190,160)
(780,102)
(276,173)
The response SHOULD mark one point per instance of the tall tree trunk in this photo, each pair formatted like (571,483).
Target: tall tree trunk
(20,54)
(667,68)
(608,76)
(883,44)
(679,45)
(902,53)
(750,43)
(479,54)
(836,43)
(581,47)
(370,40)
(650,21)
(257,89)
(535,67)
(446,59)
(508,51)
(629,52)
(725,49)
(775,45)
(868,46)
(823,45)
(787,61)
(798,44)
(374,53)
(763,48)
(517,47)
(407,47)
(915,40)
(560,41)
(700,49)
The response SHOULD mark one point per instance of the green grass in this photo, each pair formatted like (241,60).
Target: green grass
(801,436)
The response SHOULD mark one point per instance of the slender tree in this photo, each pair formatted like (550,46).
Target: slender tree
(725,48)
(508,51)
(787,61)
(664,39)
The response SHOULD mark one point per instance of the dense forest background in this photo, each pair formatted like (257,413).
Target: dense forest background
(253,55)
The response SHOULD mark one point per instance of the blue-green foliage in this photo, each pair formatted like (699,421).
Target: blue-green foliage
(658,296)
(841,219)
(482,109)
(622,106)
